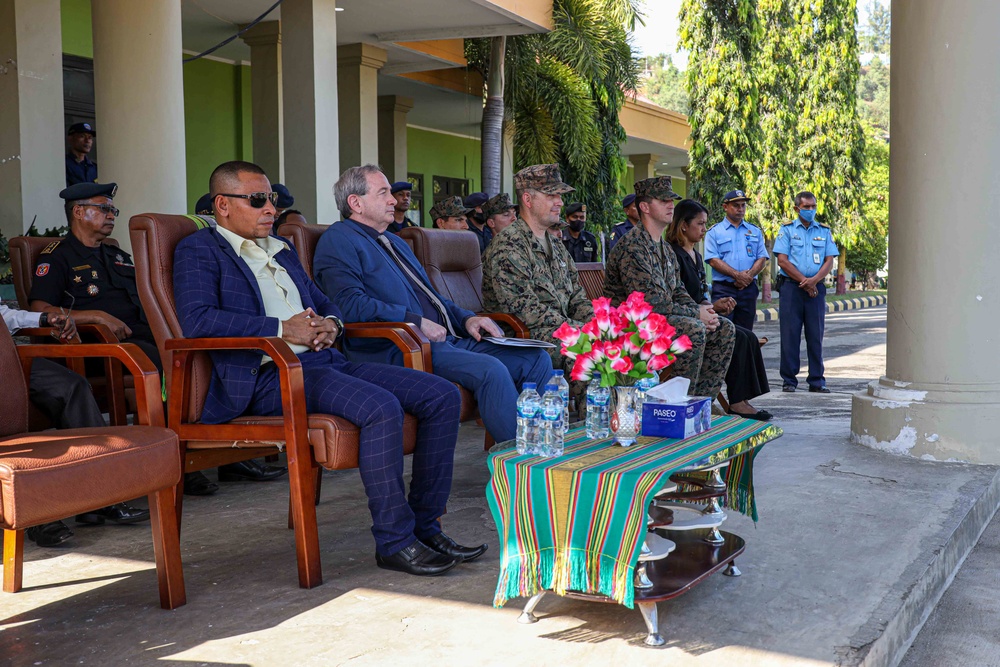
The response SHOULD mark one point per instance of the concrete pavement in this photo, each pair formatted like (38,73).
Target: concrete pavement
(851,551)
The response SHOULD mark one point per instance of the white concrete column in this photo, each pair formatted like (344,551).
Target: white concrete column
(32,133)
(357,77)
(940,396)
(264,40)
(392,110)
(309,89)
(139,95)
(644,165)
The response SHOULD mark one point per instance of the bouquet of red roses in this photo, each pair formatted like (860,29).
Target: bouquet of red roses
(623,344)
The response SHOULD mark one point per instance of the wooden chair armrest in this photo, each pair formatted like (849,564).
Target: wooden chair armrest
(411,341)
(147,379)
(520,331)
(98,333)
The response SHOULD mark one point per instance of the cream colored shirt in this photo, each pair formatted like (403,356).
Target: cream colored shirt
(277,289)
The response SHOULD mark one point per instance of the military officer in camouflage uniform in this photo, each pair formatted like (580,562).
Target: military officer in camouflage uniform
(527,272)
(643,262)
(450,214)
(499,213)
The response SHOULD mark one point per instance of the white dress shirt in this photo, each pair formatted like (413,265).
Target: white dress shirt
(19,319)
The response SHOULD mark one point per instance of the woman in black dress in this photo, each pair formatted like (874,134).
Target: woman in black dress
(746,377)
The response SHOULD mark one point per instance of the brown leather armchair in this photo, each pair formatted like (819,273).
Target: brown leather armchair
(113,389)
(50,475)
(310,440)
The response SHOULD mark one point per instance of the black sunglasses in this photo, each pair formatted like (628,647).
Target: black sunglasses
(257,199)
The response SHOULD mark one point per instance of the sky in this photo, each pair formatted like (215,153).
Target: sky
(659,35)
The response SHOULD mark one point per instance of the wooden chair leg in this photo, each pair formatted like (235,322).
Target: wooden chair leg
(178,501)
(13,560)
(723,402)
(302,496)
(319,483)
(167,548)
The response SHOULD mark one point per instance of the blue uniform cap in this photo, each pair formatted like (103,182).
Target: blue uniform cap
(285,198)
(82,128)
(475,199)
(88,190)
(205,205)
(628,201)
(734,196)
(399,186)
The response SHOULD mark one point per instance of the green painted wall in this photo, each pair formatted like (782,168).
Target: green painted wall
(77,36)
(216,120)
(431,154)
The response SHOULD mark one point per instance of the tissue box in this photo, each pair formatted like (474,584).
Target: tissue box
(677,420)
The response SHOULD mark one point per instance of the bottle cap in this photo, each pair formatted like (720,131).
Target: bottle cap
(529,385)
(558,373)
(596,376)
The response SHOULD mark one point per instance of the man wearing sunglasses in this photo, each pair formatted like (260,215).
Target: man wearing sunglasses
(238,280)
(98,281)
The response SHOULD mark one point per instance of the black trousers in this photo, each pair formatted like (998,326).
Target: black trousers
(746,377)
(63,396)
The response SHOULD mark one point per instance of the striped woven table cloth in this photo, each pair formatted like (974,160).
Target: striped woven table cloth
(577,522)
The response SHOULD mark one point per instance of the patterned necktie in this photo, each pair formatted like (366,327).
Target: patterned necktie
(387,244)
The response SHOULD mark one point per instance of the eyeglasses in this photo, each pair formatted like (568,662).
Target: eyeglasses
(106,208)
(57,333)
(257,199)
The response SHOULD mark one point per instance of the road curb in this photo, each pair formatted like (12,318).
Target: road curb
(771,314)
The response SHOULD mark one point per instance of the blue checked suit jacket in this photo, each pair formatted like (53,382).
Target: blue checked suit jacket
(354,271)
(218,296)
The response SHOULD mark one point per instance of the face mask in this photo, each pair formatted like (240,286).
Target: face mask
(480,218)
(809,216)
(577,225)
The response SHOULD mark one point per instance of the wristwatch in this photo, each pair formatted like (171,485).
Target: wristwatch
(43,321)
(340,325)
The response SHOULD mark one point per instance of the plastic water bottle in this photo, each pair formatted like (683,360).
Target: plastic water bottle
(529,406)
(550,433)
(559,379)
(644,385)
(598,398)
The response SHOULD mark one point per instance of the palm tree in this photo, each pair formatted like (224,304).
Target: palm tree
(563,93)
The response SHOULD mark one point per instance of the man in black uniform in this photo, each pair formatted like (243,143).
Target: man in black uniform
(402,192)
(476,218)
(623,228)
(79,167)
(581,244)
(98,282)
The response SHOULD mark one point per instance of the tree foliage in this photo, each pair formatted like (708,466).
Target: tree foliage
(875,34)
(564,91)
(873,95)
(665,84)
(869,252)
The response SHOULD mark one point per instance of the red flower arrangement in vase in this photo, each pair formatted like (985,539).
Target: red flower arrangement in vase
(623,344)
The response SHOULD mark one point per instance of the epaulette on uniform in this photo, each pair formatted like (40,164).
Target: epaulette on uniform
(790,222)
(50,247)
(824,225)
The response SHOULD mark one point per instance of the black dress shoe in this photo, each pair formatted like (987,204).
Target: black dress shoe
(819,390)
(118,513)
(249,471)
(196,484)
(788,388)
(49,534)
(418,559)
(760,415)
(443,544)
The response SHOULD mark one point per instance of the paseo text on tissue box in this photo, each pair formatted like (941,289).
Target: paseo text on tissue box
(677,419)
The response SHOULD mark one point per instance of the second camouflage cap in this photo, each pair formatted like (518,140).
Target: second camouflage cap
(656,188)
(497,204)
(447,208)
(544,178)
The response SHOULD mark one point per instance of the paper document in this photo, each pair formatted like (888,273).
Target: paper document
(518,342)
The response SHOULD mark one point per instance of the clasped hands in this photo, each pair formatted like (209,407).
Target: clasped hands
(809,285)
(743,279)
(708,316)
(309,329)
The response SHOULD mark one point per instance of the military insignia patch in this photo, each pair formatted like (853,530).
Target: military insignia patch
(92,289)
(42,270)
(119,257)
(50,247)
(93,274)
(77,279)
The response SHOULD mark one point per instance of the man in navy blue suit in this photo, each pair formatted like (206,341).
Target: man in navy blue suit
(238,280)
(375,277)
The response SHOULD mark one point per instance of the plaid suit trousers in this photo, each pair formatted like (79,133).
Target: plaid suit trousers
(374,397)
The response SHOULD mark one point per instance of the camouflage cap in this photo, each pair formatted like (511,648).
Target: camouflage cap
(544,178)
(447,208)
(497,204)
(656,188)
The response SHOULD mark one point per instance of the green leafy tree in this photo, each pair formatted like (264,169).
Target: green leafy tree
(873,95)
(869,252)
(875,34)
(563,94)
(666,85)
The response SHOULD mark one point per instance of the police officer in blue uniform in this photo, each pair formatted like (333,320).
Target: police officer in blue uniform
(402,191)
(736,252)
(79,167)
(805,252)
(476,218)
(581,244)
(623,228)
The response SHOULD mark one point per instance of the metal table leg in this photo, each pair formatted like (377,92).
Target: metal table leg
(527,616)
(732,570)
(649,615)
